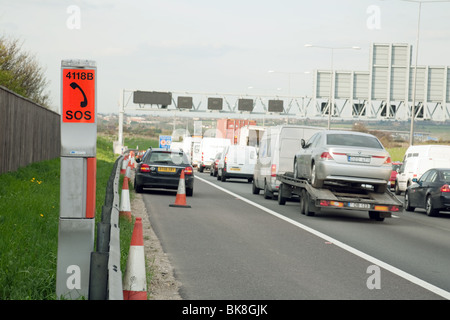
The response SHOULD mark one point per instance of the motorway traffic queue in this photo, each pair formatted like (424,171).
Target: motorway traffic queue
(321,168)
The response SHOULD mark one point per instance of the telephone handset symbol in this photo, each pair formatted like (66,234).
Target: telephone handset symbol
(84,102)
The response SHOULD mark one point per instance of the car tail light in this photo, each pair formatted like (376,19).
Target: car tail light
(202,156)
(273,170)
(188,170)
(145,168)
(329,203)
(387,161)
(326,156)
(445,188)
(394,209)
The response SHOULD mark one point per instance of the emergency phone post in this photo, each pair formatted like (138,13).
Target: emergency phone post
(78,177)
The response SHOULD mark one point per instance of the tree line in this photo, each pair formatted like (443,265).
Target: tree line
(20,72)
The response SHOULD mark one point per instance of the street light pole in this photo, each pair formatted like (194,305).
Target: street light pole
(331,99)
(413,107)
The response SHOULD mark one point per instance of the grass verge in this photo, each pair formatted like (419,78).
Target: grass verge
(29,219)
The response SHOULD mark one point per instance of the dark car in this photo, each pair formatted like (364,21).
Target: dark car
(161,168)
(431,192)
(213,171)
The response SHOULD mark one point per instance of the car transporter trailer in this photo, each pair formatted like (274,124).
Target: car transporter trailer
(337,196)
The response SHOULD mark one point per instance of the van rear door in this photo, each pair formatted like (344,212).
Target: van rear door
(288,148)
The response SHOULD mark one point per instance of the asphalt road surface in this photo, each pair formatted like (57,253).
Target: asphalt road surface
(232,244)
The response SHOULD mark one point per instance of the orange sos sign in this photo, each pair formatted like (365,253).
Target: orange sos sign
(78,95)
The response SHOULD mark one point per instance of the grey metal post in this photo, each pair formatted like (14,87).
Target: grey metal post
(78,178)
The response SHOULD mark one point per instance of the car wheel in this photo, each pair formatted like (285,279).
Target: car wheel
(255,189)
(295,169)
(189,192)
(397,189)
(316,183)
(307,205)
(267,193)
(222,177)
(281,199)
(375,215)
(407,203)
(137,187)
(302,201)
(431,212)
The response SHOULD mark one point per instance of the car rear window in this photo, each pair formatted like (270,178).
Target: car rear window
(446,175)
(353,140)
(167,157)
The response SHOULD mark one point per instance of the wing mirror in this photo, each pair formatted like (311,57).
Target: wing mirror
(303,143)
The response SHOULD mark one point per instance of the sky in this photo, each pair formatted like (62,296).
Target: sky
(209,46)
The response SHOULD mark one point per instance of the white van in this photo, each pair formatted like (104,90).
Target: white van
(237,161)
(192,148)
(209,147)
(419,159)
(276,155)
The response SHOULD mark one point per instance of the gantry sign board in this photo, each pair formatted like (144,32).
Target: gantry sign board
(390,79)
(234,103)
(78,177)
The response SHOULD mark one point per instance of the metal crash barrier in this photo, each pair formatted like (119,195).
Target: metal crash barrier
(105,276)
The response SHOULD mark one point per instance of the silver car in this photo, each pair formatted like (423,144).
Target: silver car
(344,156)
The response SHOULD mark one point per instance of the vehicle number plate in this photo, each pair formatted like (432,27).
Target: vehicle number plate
(358,205)
(235,169)
(166,169)
(358,159)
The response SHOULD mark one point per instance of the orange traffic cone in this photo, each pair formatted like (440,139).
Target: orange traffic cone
(132,161)
(124,165)
(180,200)
(135,282)
(128,169)
(125,207)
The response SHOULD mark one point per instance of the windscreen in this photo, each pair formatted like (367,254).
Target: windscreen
(353,140)
(167,157)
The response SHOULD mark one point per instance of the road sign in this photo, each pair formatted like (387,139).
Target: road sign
(165,141)
(78,90)
(245,104)
(152,97)
(276,106)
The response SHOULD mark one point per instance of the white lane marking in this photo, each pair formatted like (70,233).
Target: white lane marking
(384,265)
